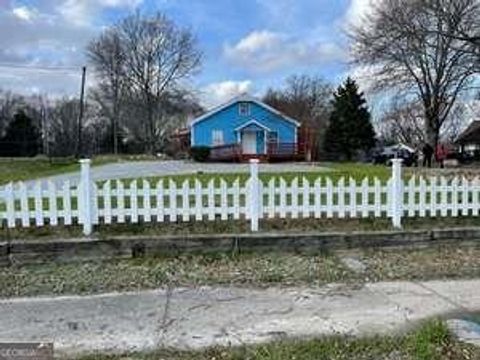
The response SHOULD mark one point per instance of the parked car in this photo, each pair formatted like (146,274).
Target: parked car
(384,155)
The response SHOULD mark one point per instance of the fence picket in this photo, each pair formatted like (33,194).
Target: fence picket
(454,190)
(377,197)
(134,202)
(160,193)
(443,196)
(475,197)
(95,217)
(38,200)
(465,191)
(120,202)
(10,205)
(107,202)
(365,198)
(211,200)
(172,200)
(329,189)
(341,198)
(352,194)
(422,197)
(294,198)
(52,204)
(236,199)
(147,203)
(186,201)
(271,198)
(67,203)
(24,209)
(283,198)
(198,200)
(318,198)
(433,196)
(223,200)
(305,198)
(411,205)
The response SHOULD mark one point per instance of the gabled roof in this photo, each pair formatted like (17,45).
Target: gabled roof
(252,122)
(244,98)
(471,135)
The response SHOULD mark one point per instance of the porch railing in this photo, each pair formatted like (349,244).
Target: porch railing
(225,152)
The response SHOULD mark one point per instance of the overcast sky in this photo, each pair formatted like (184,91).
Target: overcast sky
(248,44)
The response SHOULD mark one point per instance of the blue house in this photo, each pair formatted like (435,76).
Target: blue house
(244,128)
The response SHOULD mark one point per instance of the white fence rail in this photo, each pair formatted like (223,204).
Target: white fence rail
(120,201)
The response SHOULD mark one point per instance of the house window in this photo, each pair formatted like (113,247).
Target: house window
(217,137)
(244,108)
(273,137)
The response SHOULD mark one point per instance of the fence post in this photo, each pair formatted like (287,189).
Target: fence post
(85,201)
(254,198)
(396,193)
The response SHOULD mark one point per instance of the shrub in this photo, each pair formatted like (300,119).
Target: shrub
(200,153)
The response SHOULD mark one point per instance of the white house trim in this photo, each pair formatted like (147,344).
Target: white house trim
(252,122)
(192,136)
(244,98)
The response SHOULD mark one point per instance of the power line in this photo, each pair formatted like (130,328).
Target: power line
(38,67)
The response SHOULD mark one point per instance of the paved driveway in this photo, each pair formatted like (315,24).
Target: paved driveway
(177,167)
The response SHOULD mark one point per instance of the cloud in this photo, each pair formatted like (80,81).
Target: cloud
(53,34)
(267,51)
(217,93)
(84,12)
(24,13)
(283,12)
(357,11)
(37,81)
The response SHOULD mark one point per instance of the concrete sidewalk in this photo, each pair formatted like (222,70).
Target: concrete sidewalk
(194,318)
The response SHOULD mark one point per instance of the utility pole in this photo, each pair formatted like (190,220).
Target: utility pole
(80,116)
(43,117)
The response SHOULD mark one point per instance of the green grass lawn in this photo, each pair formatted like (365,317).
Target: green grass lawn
(31,168)
(430,341)
(17,169)
(25,169)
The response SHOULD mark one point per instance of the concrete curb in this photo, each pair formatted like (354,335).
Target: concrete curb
(70,250)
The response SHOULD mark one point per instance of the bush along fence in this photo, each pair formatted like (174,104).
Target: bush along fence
(89,203)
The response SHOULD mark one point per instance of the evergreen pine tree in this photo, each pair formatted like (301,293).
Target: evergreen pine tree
(21,137)
(350,129)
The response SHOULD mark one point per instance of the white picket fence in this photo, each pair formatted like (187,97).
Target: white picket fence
(140,200)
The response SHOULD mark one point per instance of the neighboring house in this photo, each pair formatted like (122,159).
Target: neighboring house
(469,139)
(468,142)
(246,128)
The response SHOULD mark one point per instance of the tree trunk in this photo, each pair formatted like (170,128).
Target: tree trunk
(150,129)
(432,133)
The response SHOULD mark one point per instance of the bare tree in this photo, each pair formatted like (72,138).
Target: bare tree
(403,42)
(307,99)
(469,32)
(62,127)
(107,56)
(173,113)
(403,123)
(158,57)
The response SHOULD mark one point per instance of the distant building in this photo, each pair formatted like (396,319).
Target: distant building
(469,140)
(246,128)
